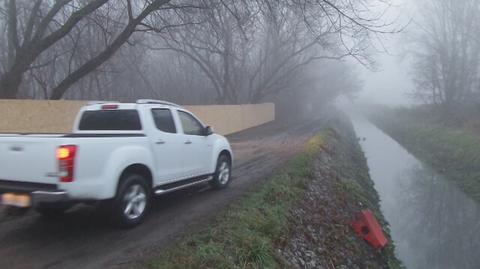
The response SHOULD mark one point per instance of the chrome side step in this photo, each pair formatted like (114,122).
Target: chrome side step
(160,191)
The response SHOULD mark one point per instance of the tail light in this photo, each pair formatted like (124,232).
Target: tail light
(66,162)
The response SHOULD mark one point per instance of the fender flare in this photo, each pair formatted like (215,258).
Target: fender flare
(123,158)
(221,146)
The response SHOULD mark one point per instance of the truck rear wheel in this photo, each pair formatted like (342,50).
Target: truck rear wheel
(132,201)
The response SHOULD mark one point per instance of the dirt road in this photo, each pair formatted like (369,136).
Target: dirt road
(82,239)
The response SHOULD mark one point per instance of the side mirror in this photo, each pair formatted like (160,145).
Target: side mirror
(208,131)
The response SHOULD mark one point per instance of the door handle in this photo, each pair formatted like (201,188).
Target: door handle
(160,142)
(188,142)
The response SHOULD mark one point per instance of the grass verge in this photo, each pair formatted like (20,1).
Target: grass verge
(245,234)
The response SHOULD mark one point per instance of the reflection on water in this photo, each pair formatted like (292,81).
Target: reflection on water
(433,223)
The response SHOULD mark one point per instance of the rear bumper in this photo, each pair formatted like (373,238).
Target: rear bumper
(39,192)
(25,187)
(49,197)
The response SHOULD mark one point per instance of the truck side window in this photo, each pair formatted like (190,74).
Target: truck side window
(191,126)
(164,120)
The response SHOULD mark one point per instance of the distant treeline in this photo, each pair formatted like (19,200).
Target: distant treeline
(446,52)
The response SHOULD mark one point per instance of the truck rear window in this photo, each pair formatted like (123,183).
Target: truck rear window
(110,120)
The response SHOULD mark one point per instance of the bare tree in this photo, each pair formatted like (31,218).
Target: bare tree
(252,49)
(235,50)
(48,23)
(447,72)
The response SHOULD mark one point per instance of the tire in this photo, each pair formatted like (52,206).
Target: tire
(53,210)
(132,201)
(223,173)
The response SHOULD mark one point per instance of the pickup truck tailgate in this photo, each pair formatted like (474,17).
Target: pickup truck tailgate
(28,158)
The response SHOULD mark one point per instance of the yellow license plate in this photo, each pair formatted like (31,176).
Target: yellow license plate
(18,200)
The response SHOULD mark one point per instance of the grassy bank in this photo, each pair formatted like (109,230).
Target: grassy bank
(453,152)
(251,232)
(244,236)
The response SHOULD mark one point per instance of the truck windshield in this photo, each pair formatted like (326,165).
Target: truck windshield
(110,120)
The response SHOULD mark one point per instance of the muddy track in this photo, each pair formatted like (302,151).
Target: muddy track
(83,239)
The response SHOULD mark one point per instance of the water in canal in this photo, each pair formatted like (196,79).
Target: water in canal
(433,224)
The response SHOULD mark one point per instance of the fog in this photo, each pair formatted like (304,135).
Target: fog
(434,61)
(223,51)
(390,83)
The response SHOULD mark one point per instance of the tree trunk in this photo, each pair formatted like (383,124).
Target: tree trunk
(9,84)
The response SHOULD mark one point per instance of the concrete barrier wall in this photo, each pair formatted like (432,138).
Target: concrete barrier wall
(35,116)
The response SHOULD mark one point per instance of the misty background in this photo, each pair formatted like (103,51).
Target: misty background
(298,54)
(390,83)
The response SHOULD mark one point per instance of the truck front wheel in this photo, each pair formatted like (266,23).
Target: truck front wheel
(223,173)
(132,201)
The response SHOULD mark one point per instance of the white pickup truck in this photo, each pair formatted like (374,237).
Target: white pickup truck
(119,153)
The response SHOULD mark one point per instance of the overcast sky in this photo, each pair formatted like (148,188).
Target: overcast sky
(392,82)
